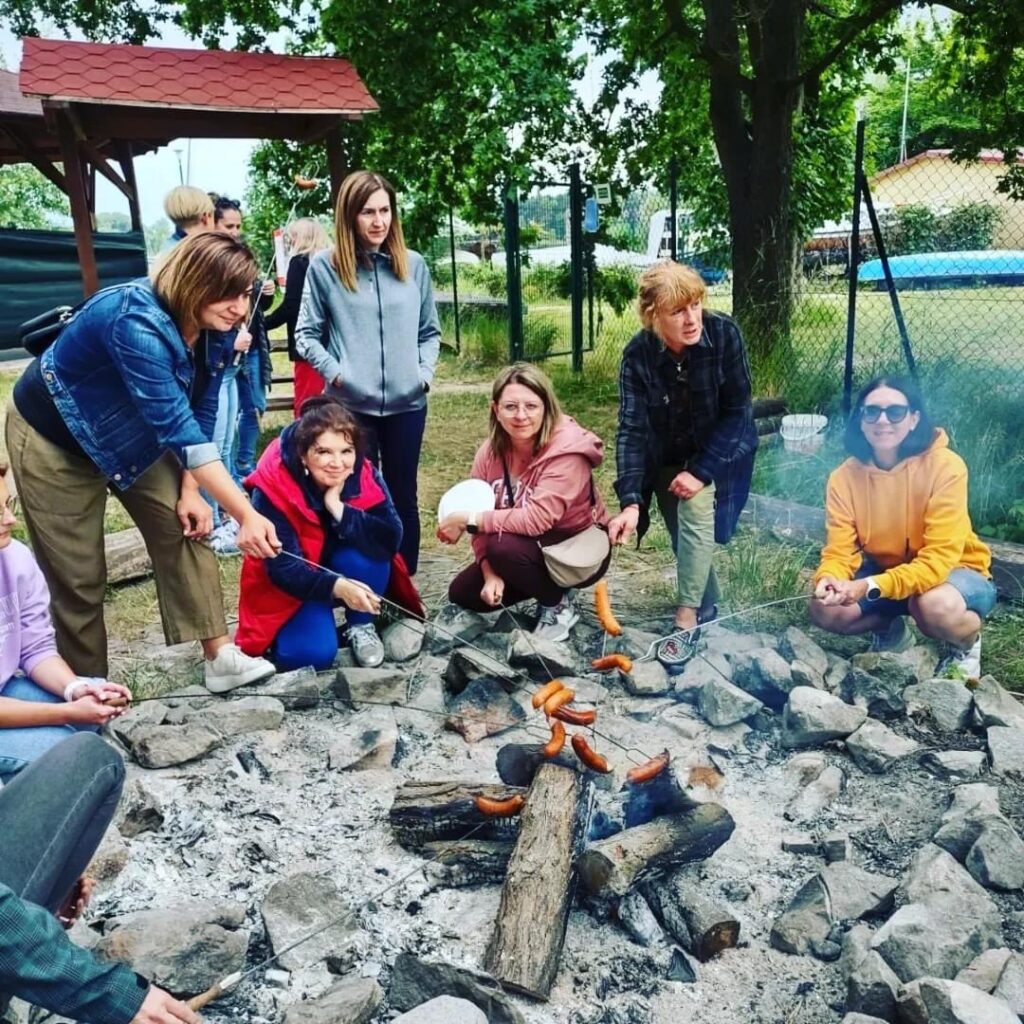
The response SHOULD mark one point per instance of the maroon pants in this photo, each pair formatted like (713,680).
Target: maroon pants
(307,384)
(518,560)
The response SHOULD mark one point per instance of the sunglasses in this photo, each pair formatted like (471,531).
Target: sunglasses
(893,413)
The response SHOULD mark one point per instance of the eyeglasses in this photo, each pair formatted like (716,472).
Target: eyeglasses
(512,408)
(893,413)
(12,503)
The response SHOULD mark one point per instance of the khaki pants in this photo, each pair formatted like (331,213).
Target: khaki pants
(63,497)
(691,525)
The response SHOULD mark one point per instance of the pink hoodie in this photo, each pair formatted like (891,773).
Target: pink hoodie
(553,493)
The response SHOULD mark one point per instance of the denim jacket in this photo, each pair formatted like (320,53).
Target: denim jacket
(121,377)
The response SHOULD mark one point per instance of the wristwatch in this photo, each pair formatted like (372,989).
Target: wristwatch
(471,523)
(874,591)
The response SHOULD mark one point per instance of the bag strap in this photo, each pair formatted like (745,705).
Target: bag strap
(508,484)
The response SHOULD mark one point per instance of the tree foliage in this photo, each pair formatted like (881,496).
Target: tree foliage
(28,200)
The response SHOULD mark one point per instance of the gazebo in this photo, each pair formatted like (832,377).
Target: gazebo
(91,105)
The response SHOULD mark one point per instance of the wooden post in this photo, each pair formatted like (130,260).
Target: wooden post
(124,158)
(536,898)
(80,215)
(335,163)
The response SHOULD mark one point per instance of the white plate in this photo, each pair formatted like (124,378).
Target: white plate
(467,496)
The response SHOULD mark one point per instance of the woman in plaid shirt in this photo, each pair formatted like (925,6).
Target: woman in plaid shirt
(686,430)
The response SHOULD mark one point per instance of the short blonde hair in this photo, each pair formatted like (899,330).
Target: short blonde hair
(540,384)
(355,190)
(186,205)
(666,287)
(310,236)
(202,269)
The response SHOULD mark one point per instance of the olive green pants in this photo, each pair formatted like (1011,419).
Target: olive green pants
(691,526)
(63,497)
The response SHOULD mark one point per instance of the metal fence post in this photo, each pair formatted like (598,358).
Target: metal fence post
(673,202)
(576,264)
(854,264)
(455,280)
(513,276)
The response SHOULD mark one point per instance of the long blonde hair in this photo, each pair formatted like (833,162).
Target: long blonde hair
(539,383)
(310,236)
(355,190)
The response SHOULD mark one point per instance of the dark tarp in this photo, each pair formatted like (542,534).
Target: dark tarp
(39,270)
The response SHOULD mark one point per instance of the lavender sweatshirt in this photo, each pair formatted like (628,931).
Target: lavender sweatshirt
(26,631)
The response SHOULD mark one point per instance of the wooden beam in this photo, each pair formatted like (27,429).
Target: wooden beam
(127,162)
(99,163)
(37,159)
(335,163)
(74,172)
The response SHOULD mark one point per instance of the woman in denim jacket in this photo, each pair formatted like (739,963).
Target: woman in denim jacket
(108,406)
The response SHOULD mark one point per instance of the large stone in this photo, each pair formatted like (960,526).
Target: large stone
(722,703)
(297,906)
(483,709)
(183,949)
(984,971)
(453,624)
(540,658)
(367,740)
(238,716)
(954,764)
(443,1010)
(874,747)
(933,872)
(301,688)
(871,988)
(466,665)
(414,981)
(902,668)
(796,645)
(946,703)
(349,1001)
(965,818)
(1006,750)
(939,1001)
(881,698)
(380,685)
(764,674)
(817,795)
(995,706)
(111,858)
(813,716)
(140,810)
(140,717)
(403,640)
(162,746)
(698,672)
(1010,987)
(997,857)
(647,679)
(862,1018)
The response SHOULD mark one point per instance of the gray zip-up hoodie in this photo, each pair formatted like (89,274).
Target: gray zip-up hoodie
(381,340)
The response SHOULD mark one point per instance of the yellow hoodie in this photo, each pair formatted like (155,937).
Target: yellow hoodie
(912,520)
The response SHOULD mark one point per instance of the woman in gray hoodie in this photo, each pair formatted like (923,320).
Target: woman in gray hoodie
(368,325)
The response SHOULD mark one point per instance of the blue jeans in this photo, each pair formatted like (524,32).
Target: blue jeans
(309,636)
(21,745)
(252,400)
(979,592)
(392,444)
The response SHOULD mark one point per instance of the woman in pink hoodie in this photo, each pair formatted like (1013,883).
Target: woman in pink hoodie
(540,463)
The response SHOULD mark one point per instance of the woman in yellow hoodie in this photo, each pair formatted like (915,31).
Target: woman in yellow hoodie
(899,536)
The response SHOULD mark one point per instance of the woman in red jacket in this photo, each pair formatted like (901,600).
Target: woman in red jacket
(540,463)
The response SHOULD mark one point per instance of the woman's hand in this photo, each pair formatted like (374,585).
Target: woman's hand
(685,485)
(356,595)
(268,288)
(831,592)
(159,1007)
(194,514)
(332,499)
(257,536)
(87,710)
(78,899)
(102,691)
(493,591)
(621,527)
(243,339)
(452,527)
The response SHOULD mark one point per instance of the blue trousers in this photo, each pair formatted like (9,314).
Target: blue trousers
(309,636)
(22,745)
(392,444)
(252,401)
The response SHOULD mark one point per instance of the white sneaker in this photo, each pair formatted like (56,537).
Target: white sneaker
(232,668)
(555,621)
(367,648)
(959,663)
(896,638)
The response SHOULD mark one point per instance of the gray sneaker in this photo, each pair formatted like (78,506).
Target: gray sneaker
(367,648)
(960,663)
(555,621)
(895,639)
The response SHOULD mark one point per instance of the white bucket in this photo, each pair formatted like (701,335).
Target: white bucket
(803,431)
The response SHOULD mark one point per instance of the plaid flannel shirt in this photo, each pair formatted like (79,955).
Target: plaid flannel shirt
(723,419)
(40,964)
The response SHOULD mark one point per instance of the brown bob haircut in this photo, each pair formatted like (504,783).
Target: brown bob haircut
(666,287)
(537,381)
(353,195)
(202,269)
(321,413)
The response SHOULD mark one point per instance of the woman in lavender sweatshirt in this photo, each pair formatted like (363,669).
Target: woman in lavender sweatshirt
(48,702)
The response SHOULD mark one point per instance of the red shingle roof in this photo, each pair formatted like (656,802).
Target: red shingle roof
(11,100)
(58,69)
